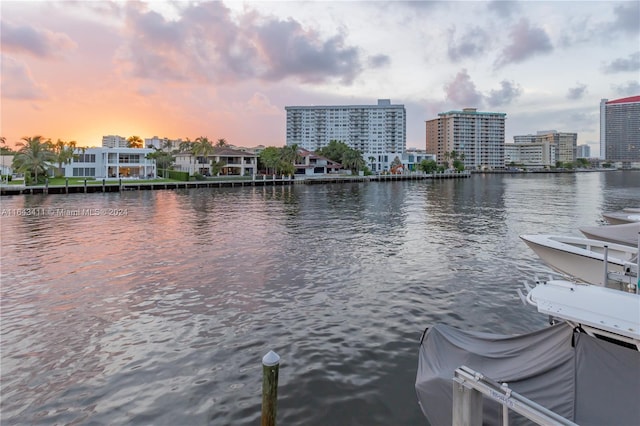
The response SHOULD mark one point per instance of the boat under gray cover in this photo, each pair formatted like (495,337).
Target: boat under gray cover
(584,379)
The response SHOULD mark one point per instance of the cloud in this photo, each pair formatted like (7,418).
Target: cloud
(627,17)
(378,61)
(462,91)
(582,121)
(34,41)
(471,44)
(207,45)
(505,95)
(290,50)
(526,42)
(260,103)
(503,9)
(630,88)
(578,92)
(623,64)
(17,81)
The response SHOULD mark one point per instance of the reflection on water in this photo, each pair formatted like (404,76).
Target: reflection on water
(162,316)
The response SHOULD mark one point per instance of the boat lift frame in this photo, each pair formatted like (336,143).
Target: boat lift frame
(627,277)
(469,388)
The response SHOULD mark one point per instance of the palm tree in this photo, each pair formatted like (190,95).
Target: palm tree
(446,157)
(289,153)
(202,147)
(166,146)
(135,141)
(270,158)
(164,160)
(185,146)
(352,160)
(33,156)
(289,157)
(62,152)
(222,142)
(4,149)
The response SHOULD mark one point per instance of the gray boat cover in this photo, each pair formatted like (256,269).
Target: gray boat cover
(584,379)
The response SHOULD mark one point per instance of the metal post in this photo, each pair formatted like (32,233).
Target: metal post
(270,369)
(638,266)
(505,409)
(606,265)
(85,186)
(467,405)
(66,185)
(46,185)
(103,185)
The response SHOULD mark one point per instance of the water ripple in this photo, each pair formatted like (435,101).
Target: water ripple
(163,315)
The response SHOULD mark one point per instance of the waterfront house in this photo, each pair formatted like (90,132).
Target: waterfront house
(6,164)
(412,158)
(233,162)
(308,163)
(110,163)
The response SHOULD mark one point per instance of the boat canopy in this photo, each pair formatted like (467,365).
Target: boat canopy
(584,379)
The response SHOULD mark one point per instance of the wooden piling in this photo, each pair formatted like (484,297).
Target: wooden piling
(270,369)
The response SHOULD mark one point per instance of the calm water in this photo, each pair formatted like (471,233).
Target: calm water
(162,316)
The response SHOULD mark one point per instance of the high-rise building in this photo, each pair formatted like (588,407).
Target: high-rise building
(476,137)
(377,131)
(112,141)
(620,129)
(583,151)
(533,155)
(563,143)
(165,144)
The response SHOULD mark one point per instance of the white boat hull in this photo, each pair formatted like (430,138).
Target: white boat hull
(581,258)
(625,216)
(626,233)
(607,312)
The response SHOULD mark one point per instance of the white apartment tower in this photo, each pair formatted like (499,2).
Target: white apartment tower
(583,151)
(564,143)
(477,138)
(113,141)
(377,131)
(164,144)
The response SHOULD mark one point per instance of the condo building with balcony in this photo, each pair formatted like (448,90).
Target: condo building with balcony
(114,141)
(164,144)
(583,151)
(377,131)
(477,138)
(532,155)
(565,144)
(620,131)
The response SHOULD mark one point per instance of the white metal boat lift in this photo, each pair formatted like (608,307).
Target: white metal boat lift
(469,389)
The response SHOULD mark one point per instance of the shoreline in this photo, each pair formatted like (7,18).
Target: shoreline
(133,185)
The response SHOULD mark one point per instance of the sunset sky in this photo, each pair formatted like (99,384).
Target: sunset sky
(78,70)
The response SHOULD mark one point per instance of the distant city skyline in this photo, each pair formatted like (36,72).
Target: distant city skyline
(83,70)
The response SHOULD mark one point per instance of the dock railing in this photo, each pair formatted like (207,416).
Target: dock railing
(469,389)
